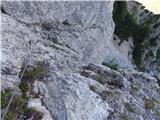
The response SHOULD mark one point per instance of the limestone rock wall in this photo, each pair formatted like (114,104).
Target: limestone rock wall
(67,37)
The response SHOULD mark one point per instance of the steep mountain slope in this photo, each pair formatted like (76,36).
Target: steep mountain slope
(52,55)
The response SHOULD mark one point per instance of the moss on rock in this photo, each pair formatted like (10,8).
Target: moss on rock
(130,107)
(149,104)
(37,72)
(24,87)
(18,107)
(5,96)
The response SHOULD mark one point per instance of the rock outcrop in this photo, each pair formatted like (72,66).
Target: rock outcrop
(75,24)
(71,39)
(130,94)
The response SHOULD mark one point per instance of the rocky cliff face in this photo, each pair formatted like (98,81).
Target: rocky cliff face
(61,46)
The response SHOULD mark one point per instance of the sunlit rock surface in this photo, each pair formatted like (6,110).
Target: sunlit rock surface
(74,38)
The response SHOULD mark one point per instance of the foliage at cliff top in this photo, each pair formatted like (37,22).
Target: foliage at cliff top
(126,25)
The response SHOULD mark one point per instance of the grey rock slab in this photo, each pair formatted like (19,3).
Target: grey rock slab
(86,27)
(70,98)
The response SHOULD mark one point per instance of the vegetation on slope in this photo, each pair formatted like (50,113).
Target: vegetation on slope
(126,25)
(18,108)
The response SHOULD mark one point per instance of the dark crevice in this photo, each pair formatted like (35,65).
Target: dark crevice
(7,71)
(3,11)
(66,22)
(158,80)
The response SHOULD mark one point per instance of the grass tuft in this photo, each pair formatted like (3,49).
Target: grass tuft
(37,72)
(93,88)
(149,104)
(111,65)
(130,107)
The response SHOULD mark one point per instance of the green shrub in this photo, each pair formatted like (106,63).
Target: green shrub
(149,104)
(10,116)
(153,40)
(18,104)
(125,117)
(155,26)
(33,113)
(158,113)
(111,64)
(18,107)
(134,89)
(24,87)
(148,55)
(126,25)
(130,107)
(113,93)
(124,22)
(37,72)
(5,96)
(93,88)
(158,54)
(109,93)
(101,79)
